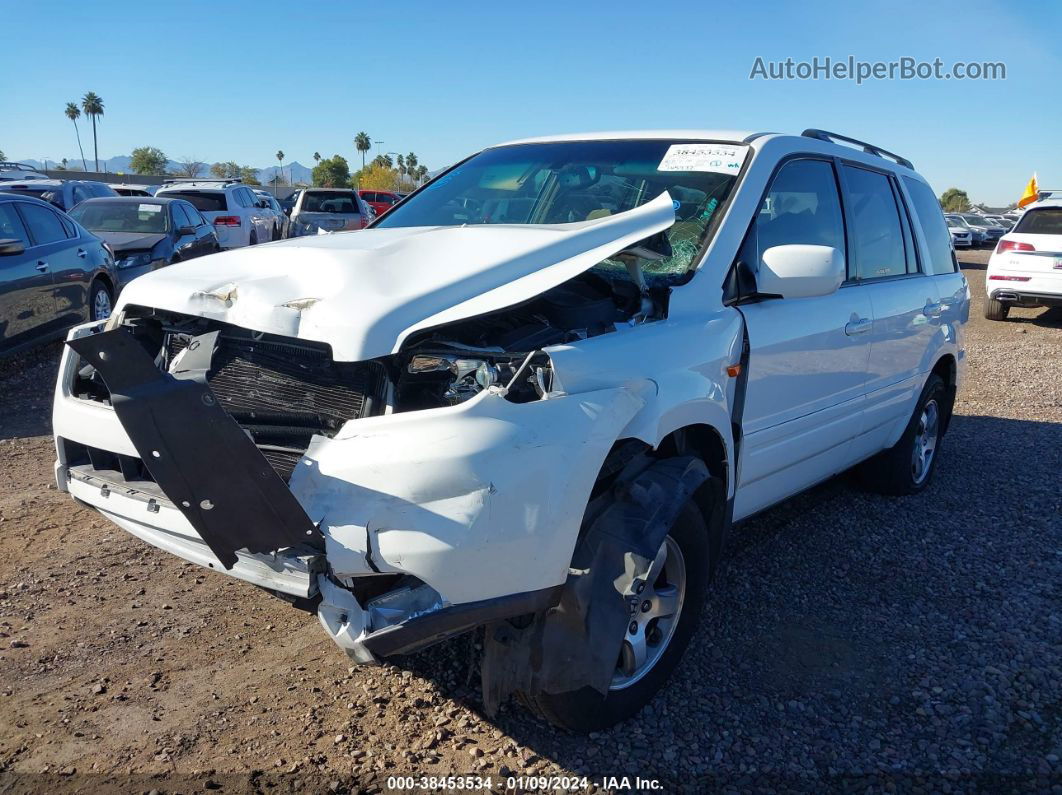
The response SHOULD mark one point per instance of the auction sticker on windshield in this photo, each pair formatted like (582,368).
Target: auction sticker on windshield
(150,208)
(718,158)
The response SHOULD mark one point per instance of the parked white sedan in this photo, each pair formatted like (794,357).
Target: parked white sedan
(1026,267)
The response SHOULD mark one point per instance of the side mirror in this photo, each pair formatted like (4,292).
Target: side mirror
(9,247)
(185,230)
(797,270)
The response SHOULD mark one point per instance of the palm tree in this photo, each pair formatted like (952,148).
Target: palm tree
(316,157)
(400,166)
(73,112)
(280,157)
(422,172)
(363,144)
(92,104)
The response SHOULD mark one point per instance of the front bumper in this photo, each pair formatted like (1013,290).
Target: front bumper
(480,502)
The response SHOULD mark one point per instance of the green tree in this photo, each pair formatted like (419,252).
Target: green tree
(148,160)
(2,155)
(249,175)
(64,161)
(316,157)
(226,170)
(332,172)
(954,200)
(383,160)
(73,112)
(92,104)
(422,173)
(363,144)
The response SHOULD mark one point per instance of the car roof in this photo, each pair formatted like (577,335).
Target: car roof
(134,199)
(4,196)
(737,136)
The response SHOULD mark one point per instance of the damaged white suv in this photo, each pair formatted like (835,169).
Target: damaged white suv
(532,397)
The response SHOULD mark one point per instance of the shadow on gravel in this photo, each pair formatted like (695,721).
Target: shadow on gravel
(854,634)
(1048,318)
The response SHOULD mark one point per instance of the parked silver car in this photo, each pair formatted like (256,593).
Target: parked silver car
(320,210)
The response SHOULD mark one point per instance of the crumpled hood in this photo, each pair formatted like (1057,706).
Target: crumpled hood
(364,292)
(129,241)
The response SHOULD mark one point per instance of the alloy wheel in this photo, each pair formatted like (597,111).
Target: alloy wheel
(655,618)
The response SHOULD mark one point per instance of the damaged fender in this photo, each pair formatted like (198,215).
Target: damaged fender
(576,643)
(479,500)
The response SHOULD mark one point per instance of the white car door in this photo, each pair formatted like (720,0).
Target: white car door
(807,356)
(904,300)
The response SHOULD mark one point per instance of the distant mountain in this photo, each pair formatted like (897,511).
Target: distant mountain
(120,164)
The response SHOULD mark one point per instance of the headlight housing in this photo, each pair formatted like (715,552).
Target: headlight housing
(135,260)
(446,379)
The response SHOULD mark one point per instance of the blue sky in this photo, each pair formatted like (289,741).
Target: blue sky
(238,80)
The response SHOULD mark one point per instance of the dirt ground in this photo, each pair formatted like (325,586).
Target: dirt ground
(123,668)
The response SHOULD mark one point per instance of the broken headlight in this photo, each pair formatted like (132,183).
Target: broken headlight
(454,378)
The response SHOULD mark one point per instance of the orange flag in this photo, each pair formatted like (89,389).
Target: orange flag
(1031,193)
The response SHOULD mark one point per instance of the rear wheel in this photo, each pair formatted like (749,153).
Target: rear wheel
(100,301)
(654,639)
(995,310)
(908,466)
(253,240)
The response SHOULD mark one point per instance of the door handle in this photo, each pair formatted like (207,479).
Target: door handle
(860,326)
(81,253)
(42,266)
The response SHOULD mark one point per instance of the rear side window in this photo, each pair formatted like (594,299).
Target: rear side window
(213,202)
(934,227)
(802,206)
(180,217)
(11,227)
(877,234)
(44,225)
(1044,221)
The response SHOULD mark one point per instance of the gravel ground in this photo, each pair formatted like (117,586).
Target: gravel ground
(851,641)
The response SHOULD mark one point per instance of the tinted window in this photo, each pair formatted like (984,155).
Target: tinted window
(877,236)
(802,206)
(320,201)
(1044,221)
(11,227)
(931,219)
(44,225)
(208,202)
(81,193)
(180,217)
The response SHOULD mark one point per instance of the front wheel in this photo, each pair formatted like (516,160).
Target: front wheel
(655,638)
(100,302)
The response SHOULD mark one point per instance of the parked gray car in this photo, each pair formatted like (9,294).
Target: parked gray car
(328,210)
(53,274)
(63,193)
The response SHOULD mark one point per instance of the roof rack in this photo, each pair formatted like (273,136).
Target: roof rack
(870,149)
(11,165)
(183,180)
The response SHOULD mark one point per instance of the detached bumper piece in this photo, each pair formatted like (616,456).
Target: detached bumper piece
(197,453)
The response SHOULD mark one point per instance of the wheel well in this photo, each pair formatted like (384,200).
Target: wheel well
(946,369)
(702,441)
(103,277)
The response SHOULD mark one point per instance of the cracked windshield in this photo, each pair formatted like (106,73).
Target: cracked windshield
(568,182)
